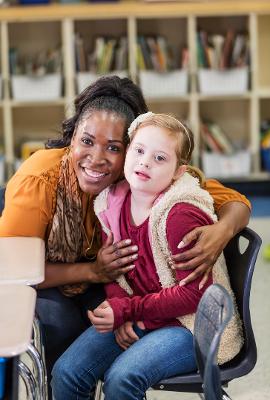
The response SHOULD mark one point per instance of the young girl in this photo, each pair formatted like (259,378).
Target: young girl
(142,333)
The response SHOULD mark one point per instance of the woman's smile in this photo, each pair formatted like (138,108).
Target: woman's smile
(98,150)
(93,175)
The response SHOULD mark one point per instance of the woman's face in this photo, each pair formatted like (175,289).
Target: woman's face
(98,150)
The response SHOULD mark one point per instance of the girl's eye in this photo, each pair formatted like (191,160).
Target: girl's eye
(139,150)
(158,157)
(114,148)
(87,140)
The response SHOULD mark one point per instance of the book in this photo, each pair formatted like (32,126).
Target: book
(209,142)
(30,146)
(221,138)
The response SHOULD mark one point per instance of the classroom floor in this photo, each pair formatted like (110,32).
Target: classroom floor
(256,385)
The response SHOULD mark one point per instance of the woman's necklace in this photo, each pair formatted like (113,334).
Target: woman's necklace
(88,253)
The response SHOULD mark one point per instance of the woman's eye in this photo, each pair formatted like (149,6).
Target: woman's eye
(114,148)
(87,140)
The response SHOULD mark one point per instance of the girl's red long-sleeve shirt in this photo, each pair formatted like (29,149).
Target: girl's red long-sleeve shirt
(150,303)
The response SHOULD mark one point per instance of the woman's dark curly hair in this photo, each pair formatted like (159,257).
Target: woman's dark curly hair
(109,93)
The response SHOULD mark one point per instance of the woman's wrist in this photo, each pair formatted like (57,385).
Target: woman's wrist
(95,274)
(227,230)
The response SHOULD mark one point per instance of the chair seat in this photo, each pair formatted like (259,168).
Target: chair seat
(235,368)
(17,305)
(22,260)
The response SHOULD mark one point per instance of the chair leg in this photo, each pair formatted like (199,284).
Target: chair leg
(28,379)
(40,371)
(38,344)
(225,395)
(99,393)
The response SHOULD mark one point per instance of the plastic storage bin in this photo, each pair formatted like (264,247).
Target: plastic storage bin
(85,79)
(168,84)
(28,88)
(265,154)
(223,166)
(216,82)
(2,376)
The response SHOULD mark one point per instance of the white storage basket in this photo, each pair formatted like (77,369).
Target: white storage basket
(224,166)
(168,84)
(216,82)
(85,79)
(31,88)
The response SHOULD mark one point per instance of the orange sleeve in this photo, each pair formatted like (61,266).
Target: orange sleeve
(223,195)
(28,207)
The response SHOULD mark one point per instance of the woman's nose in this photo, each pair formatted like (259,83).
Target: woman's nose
(97,156)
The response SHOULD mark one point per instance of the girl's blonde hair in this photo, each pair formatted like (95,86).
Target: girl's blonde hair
(178,130)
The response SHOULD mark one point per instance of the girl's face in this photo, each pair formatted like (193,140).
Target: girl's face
(151,160)
(98,150)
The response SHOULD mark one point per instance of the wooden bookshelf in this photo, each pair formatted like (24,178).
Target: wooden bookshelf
(31,27)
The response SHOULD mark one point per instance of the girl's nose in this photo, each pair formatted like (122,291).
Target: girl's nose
(145,163)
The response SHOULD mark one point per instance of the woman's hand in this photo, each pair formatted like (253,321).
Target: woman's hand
(115,259)
(210,242)
(125,335)
(102,317)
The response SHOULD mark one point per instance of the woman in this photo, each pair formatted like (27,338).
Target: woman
(53,191)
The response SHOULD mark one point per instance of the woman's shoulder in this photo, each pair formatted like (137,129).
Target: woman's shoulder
(42,163)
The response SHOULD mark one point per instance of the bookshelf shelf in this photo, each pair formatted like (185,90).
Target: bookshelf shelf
(244,96)
(34,29)
(182,99)
(30,104)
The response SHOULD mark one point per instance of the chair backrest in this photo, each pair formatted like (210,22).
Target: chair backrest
(2,198)
(213,314)
(240,264)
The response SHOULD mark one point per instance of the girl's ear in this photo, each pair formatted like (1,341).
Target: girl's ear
(179,172)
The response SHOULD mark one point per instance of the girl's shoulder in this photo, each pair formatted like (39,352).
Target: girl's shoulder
(190,212)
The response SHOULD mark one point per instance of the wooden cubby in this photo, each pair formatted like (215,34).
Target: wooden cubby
(40,27)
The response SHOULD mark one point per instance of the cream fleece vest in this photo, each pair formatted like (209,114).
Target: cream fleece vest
(184,190)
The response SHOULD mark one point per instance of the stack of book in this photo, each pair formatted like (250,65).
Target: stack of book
(109,54)
(155,53)
(37,65)
(215,140)
(222,52)
(222,157)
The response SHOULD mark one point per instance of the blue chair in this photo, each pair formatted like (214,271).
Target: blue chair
(240,268)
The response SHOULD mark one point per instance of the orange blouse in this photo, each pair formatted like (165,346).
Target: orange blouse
(31,197)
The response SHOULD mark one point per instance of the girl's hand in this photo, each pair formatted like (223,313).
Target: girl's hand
(115,259)
(210,242)
(102,317)
(125,335)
